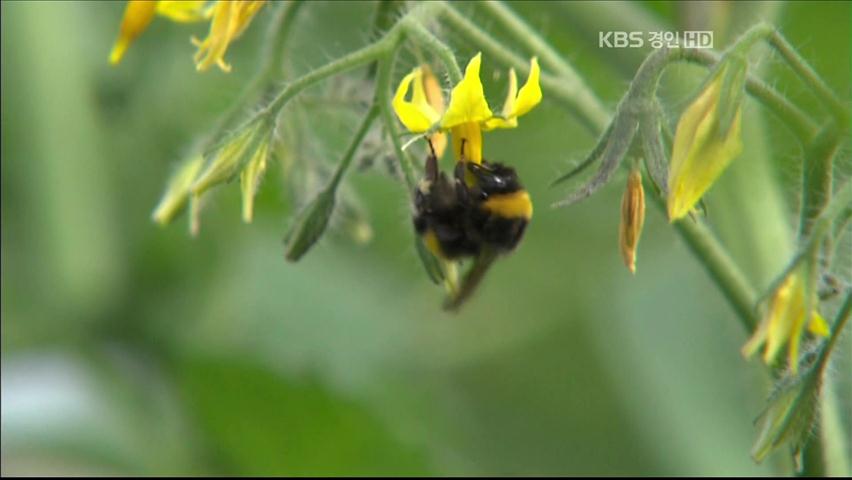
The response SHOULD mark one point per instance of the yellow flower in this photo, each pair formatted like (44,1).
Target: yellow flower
(701,150)
(229,18)
(468,112)
(435,98)
(784,322)
(137,15)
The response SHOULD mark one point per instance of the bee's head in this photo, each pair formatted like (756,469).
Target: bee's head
(495,178)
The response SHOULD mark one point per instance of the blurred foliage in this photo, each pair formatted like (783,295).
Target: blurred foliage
(131,349)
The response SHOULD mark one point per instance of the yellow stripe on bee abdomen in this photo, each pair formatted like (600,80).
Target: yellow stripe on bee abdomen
(510,205)
(432,243)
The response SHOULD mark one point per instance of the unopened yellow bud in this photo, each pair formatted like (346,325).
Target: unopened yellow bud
(703,148)
(250,179)
(785,321)
(229,159)
(177,190)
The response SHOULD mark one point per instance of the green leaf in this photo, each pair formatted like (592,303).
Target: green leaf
(262,423)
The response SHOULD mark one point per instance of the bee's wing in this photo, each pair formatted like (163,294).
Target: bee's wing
(471,279)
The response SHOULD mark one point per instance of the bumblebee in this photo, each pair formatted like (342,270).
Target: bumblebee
(482,208)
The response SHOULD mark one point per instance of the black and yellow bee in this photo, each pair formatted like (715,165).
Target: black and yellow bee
(480,213)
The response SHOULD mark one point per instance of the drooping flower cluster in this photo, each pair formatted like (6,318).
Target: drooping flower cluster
(468,113)
(785,321)
(228,20)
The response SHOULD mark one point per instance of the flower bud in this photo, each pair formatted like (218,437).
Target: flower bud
(177,190)
(789,416)
(250,178)
(786,319)
(230,157)
(707,139)
(309,225)
(632,219)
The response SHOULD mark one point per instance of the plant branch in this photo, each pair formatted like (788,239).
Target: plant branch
(810,77)
(272,59)
(343,166)
(383,97)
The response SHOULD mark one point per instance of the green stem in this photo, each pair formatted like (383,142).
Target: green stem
(343,166)
(419,34)
(358,58)
(816,462)
(809,76)
(818,232)
(832,434)
(385,16)
(383,97)
(722,269)
(272,59)
(513,23)
(816,177)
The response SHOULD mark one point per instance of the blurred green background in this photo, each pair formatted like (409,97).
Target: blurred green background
(131,349)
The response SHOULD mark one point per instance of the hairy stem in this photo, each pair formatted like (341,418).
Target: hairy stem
(424,38)
(383,97)
(809,76)
(817,176)
(722,269)
(272,58)
(343,166)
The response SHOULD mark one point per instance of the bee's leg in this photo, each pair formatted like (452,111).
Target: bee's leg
(431,147)
(463,192)
(431,167)
(458,173)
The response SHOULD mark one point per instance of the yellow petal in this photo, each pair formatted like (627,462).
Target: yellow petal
(230,19)
(467,100)
(435,98)
(784,322)
(519,103)
(467,142)
(700,154)
(184,10)
(245,12)
(417,115)
(818,325)
(434,94)
(530,94)
(137,16)
(508,120)
(250,179)
(785,309)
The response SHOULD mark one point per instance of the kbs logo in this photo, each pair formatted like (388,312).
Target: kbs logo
(620,40)
(687,39)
